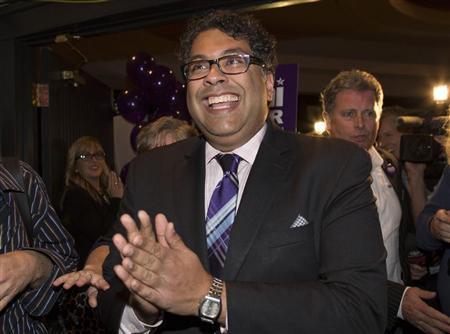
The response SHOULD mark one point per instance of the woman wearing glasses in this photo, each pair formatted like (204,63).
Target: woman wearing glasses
(89,205)
(92,194)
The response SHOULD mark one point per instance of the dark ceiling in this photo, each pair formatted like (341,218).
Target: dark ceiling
(397,38)
(418,22)
(373,19)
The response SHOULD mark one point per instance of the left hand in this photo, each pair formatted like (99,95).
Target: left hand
(115,186)
(421,315)
(85,277)
(162,271)
(415,170)
(18,269)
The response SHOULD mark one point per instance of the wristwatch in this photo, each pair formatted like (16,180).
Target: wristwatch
(211,305)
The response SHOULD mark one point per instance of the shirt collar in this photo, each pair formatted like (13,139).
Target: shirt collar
(377,160)
(247,151)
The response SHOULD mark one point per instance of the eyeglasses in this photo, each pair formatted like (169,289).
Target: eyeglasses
(98,156)
(229,64)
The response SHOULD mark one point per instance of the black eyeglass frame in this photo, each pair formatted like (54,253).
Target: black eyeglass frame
(249,59)
(97,156)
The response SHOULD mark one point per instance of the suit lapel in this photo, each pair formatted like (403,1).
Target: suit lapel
(188,189)
(268,173)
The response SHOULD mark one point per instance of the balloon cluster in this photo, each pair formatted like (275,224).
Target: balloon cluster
(156,93)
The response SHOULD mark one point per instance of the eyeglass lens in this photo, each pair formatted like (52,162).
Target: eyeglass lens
(229,64)
(92,156)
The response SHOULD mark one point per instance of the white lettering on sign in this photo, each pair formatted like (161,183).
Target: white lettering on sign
(279,96)
(277,116)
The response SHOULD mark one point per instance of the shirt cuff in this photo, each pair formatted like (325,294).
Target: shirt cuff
(224,329)
(399,312)
(130,324)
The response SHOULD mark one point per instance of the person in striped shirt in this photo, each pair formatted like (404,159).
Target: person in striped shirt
(28,267)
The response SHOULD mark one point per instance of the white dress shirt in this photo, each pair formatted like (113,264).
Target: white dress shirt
(214,173)
(129,323)
(390,213)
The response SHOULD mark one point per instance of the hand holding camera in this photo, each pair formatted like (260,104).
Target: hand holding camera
(440,225)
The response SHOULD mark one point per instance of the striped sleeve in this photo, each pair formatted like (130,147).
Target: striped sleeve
(51,239)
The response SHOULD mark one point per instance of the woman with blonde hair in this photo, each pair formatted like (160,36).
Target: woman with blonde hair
(92,194)
(89,206)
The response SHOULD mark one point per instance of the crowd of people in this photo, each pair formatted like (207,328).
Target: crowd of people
(235,226)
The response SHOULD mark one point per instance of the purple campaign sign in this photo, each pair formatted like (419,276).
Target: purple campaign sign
(283,109)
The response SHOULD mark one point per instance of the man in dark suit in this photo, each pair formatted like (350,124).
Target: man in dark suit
(305,252)
(352,104)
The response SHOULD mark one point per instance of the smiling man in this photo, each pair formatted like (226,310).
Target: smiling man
(252,229)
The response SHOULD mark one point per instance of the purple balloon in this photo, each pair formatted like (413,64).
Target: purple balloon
(158,112)
(175,103)
(138,67)
(183,114)
(181,91)
(134,105)
(159,82)
(176,98)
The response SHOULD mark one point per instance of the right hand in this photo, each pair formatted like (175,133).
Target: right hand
(87,276)
(115,186)
(146,311)
(170,277)
(421,315)
(440,225)
(21,269)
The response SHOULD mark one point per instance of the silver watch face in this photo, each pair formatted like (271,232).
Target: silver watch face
(210,308)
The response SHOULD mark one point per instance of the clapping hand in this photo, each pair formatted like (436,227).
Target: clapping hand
(160,269)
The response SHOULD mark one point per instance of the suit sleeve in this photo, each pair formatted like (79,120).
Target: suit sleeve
(439,200)
(51,239)
(395,294)
(85,219)
(349,294)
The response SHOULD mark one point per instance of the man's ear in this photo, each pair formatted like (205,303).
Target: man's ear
(326,118)
(269,86)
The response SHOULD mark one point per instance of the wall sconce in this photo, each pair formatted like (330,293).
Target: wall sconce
(319,127)
(440,93)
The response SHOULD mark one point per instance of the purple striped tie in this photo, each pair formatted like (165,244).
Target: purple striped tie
(221,212)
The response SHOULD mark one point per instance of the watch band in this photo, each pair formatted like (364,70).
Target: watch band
(210,306)
(215,290)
